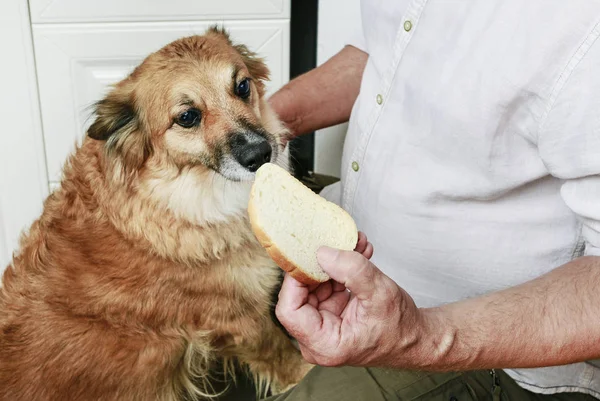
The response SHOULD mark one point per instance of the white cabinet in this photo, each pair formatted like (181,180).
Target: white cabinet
(45,11)
(67,53)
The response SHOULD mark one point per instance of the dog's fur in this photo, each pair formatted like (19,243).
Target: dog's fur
(142,269)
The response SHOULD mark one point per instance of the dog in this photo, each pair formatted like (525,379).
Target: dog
(142,273)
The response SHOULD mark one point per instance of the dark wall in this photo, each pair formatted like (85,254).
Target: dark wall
(303,57)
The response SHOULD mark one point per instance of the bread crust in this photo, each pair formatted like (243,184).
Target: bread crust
(274,252)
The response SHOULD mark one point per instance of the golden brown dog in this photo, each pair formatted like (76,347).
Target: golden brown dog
(142,270)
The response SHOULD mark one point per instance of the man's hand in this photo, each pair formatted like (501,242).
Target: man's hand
(549,321)
(360,317)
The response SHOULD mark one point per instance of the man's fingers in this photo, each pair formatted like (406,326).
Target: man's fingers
(293,293)
(351,269)
(294,311)
(321,293)
(323,347)
(324,291)
(362,242)
(313,300)
(336,303)
(338,287)
(364,246)
(368,252)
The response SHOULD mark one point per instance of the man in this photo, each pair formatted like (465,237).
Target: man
(472,161)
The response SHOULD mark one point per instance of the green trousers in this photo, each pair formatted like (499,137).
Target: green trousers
(367,384)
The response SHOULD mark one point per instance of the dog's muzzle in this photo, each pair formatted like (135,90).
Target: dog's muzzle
(250,150)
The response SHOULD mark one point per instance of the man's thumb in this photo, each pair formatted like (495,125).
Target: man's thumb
(351,269)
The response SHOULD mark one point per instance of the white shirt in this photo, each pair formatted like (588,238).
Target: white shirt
(473,151)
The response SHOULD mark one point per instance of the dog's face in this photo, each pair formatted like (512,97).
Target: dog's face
(200,101)
(190,111)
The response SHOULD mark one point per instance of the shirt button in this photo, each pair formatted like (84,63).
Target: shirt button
(407,25)
(379,99)
(355,166)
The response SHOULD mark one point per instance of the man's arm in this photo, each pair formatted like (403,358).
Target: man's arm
(324,96)
(552,320)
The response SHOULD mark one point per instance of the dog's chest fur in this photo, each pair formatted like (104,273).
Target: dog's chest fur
(125,279)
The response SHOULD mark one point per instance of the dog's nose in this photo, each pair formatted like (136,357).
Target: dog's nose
(250,150)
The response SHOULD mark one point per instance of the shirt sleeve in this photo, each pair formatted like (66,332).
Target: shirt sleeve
(357,39)
(569,140)
(356,35)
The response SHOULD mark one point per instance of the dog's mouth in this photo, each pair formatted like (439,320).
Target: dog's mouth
(248,152)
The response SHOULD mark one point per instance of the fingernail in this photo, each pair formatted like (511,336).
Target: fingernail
(326,255)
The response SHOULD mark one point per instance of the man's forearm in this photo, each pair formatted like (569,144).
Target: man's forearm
(549,321)
(324,96)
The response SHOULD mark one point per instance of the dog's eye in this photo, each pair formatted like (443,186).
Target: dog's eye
(189,118)
(243,88)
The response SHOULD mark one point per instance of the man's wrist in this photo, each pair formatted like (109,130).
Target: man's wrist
(434,344)
(282,103)
(439,339)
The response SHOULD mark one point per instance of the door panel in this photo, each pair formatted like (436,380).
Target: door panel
(43,11)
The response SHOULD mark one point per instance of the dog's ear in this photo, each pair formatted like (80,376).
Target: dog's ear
(219,31)
(255,64)
(113,114)
(118,123)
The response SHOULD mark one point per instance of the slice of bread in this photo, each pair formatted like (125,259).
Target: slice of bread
(292,223)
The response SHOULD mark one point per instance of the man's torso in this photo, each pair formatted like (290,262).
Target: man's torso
(441,164)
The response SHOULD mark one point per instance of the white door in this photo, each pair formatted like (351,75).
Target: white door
(23,180)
